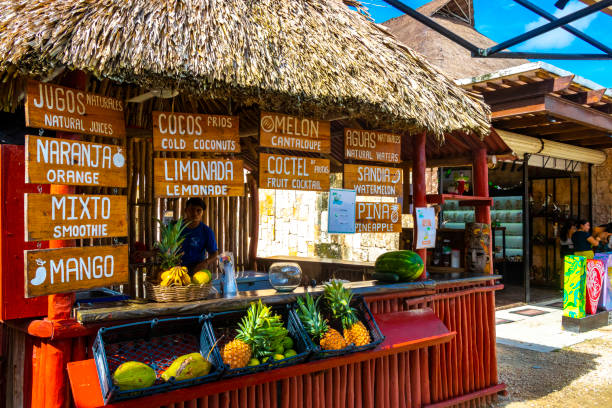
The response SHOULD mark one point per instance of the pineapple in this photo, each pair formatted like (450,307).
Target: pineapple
(170,253)
(339,300)
(317,327)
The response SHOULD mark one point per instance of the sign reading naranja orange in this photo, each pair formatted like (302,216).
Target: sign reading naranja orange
(373,180)
(193,132)
(369,145)
(55,107)
(198,177)
(61,161)
(282,172)
(64,216)
(378,217)
(288,132)
(49,271)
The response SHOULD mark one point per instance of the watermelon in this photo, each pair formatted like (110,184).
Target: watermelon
(406,264)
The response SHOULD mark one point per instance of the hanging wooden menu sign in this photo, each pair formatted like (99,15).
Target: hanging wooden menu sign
(55,107)
(63,216)
(62,270)
(292,133)
(70,162)
(369,145)
(378,217)
(198,177)
(281,172)
(192,132)
(373,180)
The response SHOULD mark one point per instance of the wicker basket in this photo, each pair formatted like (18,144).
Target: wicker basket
(189,293)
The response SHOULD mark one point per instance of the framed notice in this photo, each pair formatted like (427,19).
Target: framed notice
(55,107)
(368,145)
(193,132)
(373,180)
(62,270)
(425,224)
(280,172)
(288,132)
(378,217)
(341,211)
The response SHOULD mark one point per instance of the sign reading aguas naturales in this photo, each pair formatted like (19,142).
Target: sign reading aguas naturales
(369,145)
(373,180)
(282,172)
(288,132)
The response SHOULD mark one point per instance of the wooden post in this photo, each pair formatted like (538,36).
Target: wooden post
(419,188)
(481,189)
(254,221)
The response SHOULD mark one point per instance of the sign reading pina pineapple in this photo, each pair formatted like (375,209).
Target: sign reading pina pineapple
(369,145)
(378,217)
(373,180)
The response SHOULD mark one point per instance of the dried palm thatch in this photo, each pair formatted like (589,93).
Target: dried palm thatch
(311,57)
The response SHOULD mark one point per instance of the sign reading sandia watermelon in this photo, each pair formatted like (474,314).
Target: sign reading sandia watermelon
(369,145)
(61,161)
(378,217)
(64,216)
(373,180)
(49,271)
(55,107)
(198,177)
(281,172)
(192,132)
(292,133)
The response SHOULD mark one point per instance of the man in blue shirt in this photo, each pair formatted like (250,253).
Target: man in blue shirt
(200,246)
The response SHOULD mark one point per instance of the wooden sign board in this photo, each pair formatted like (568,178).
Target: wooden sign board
(192,132)
(292,133)
(281,172)
(198,177)
(369,145)
(49,271)
(378,217)
(373,180)
(59,216)
(55,107)
(70,162)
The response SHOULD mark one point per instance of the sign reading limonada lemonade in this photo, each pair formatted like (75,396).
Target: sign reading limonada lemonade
(369,145)
(198,177)
(293,173)
(378,217)
(373,180)
(288,132)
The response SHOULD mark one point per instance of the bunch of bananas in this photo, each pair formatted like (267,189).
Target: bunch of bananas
(175,276)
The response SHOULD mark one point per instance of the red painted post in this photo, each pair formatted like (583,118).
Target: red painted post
(481,188)
(419,188)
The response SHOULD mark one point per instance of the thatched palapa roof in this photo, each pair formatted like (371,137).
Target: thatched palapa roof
(311,57)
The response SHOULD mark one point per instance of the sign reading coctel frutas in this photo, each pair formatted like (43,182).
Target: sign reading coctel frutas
(55,107)
(282,172)
(378,217)
(62,270)
(369,145)
(288,132)
(192,132)
(373,180)
(62,161)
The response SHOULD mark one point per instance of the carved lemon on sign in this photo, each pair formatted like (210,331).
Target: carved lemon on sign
(41,273)
(118,159)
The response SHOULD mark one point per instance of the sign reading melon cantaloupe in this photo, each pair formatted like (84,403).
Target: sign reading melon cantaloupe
(281,172)
(192,132)
(62,270)
(378,217)
(61,161)
(59,216)
(369,145)
(292,133)
(55,107)
(198,177)
(373,180)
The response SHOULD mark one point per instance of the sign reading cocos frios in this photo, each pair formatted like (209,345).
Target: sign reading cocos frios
(378,217)
(372,146)
(373,180)
(198,177)
(293,173)
(292,133)
(61,161)
(56,107)
(64,270)
(192,132)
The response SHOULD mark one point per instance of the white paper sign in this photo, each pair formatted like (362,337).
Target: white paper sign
(341,215)
(426,227)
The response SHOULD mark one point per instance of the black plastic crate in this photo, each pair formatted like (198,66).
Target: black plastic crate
(225,324)
(364,315)
(156,343)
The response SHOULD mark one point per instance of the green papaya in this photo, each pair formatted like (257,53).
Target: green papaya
(186,367)
(133,375)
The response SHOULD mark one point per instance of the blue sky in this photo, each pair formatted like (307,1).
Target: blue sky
(504,19)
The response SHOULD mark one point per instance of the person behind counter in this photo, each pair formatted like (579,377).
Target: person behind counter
(200,246)
(583,241)
(567,231)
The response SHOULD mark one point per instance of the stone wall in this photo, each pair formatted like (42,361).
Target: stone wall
(602,191)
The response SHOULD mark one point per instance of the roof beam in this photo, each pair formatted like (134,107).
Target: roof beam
(587,97)
(527,91)
(564,127)
(519,107)
(596,141)
(547,55)
(607,108)
(573,112)
(583,134)
(524,122)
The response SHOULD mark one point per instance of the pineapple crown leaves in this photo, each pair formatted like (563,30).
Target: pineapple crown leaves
(339,300)
(261,329)
(311,317)
(170,242)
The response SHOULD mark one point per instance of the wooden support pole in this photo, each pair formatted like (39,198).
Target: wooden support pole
(419,188)
(254,221)
(481,189)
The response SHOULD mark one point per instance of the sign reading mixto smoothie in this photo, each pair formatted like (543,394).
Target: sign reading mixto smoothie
(369,145)
(56,107)
(64,270)
(58,216)
(192,132)
(373,180)
(61,161)
(378,217)
(198,177)
(281,172)
(292,133)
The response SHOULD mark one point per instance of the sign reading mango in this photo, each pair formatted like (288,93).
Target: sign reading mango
(293,173)
(369,145)
(378,217)
(292,133)
(373,180)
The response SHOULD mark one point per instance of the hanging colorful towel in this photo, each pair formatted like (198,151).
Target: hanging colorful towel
(574,286)
(605,299)
(594,277)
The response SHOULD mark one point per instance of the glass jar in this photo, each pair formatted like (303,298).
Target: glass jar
(285,276)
